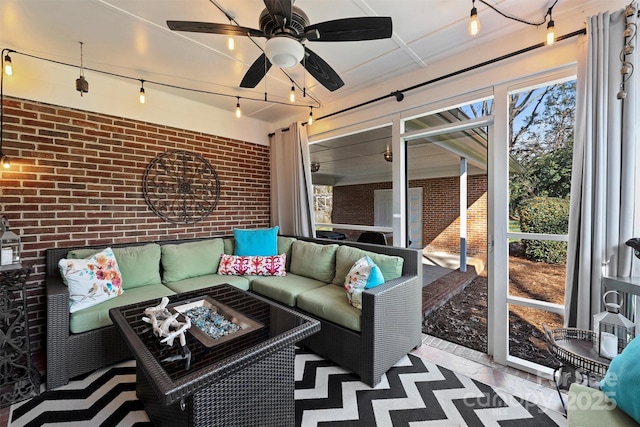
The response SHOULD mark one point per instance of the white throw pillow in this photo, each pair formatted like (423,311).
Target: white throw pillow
(364,274)
(91,280)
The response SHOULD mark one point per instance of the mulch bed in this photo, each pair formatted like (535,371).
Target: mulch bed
(463,318)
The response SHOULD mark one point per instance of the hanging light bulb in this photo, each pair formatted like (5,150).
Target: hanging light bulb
(310,121)
(230,42)
(622,94)
(630,30)
(474,22)
(142,96)
(8,67)
(551,34)
(238,111)
(6,163)
(628,49)
(292,94)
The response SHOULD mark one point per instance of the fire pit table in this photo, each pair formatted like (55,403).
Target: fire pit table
(245,380)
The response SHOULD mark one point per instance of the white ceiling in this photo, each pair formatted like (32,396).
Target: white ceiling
(130,38)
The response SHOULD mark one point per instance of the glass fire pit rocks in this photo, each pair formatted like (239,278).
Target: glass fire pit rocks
(213,322)
(210,322)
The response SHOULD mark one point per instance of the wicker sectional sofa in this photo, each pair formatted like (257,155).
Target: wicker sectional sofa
(367,341)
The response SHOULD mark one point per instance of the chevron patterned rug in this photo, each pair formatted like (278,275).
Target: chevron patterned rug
(415,392)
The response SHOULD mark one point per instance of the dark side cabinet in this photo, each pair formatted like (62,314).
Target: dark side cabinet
(19,380)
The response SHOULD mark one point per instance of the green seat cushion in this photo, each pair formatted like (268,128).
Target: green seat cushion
(186,285)
(192,259)
(284,289)
(330,303)
(590,407)
(314,260)
(346,256)
(139,265)
(98,316)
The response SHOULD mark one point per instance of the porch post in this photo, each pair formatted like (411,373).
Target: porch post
(463,214)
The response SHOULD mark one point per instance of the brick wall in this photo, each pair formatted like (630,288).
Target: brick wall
(76,179)
(354,204)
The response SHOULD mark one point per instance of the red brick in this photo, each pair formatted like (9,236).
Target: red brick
(85,187)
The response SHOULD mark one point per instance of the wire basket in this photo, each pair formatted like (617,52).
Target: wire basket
(572,347)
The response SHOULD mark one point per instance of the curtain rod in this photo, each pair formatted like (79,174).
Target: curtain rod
(281,130)
(399,94)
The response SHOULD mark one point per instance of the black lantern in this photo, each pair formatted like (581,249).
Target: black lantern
(10,246)
(612,330)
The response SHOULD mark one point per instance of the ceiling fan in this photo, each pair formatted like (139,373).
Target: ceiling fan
(286,27)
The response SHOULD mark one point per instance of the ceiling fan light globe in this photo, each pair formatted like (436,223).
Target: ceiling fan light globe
(284,52)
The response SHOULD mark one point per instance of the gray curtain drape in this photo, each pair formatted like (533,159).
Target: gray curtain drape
(604,201)
(291,189)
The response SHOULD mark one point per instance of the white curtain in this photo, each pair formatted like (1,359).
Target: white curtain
(291,189)
(605,204)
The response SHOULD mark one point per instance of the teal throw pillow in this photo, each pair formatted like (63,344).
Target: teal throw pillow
(622,381)
(256,242)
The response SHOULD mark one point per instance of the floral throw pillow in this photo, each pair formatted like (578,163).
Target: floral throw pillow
(235,265)
(364,274)
(91,280)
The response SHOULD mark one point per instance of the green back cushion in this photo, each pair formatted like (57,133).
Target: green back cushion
(284,247)
(192,259)
(229,246)
(346,256)
(256,242)
(313,260)
(139,265)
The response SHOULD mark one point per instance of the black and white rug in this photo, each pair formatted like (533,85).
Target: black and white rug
(415,392)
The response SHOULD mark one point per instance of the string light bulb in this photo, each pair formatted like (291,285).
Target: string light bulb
(474,22)
(142,95)
(292,94)
(8,67)
(238,111)
(310,121)
(231,44)
(6,163)
(551,33)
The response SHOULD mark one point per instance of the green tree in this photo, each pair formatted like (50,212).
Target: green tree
(543,143)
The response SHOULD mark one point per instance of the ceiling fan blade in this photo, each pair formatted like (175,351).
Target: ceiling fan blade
(280,10)
(208,27)
(256,72)
(321,71)
(351,29)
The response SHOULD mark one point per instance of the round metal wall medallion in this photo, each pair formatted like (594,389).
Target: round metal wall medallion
(181,187)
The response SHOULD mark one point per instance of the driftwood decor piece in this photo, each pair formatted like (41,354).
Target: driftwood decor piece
(181,187)
(165,325)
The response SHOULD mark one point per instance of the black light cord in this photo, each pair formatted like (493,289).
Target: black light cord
(515,18)
(122,76)
(4,52)
(399,94)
